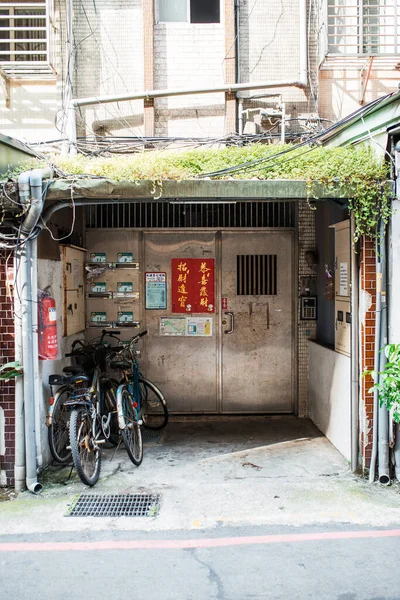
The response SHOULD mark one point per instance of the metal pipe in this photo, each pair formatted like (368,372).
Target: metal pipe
(354,280)
(303,50)
(30,193)
(27,344)
(375,416)
(35,353)
(19,467)
(383,415)
(240,117)
(231,87)
(30,189)
(69,120)
(397,452)
(283,124)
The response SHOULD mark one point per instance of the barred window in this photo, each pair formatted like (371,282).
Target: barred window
(24,36)
(357,27)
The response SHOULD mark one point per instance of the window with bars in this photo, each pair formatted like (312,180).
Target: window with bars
(256,275)
(188,11)
(357,27)
(24,36)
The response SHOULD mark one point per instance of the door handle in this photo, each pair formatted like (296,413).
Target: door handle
(232,322)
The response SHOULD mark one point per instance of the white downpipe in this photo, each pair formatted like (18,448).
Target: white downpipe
(301,82)
(30,186)
(283,122)
(37,382)
(19,468)
(68,133)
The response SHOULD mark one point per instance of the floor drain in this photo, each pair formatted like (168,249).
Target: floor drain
(114,505)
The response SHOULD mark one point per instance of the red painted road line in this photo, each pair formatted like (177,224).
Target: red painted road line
(193,543)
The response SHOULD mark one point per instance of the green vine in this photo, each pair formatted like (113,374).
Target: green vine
(388,386)
(338,170)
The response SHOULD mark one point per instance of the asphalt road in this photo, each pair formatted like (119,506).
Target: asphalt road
(333,563)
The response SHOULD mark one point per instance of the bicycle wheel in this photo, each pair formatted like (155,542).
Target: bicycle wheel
(58,431)
(86,453)
(154,405)
(110,406)
(131,433)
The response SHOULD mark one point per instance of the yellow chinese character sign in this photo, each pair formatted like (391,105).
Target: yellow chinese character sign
(193,287)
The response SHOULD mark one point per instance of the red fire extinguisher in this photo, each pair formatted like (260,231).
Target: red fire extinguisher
(47,321)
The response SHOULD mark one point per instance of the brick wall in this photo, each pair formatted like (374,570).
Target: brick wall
(367,332)
(7,397)
(306,329)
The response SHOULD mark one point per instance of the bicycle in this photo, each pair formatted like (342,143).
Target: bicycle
(58,415)
(139,401)
(90,418)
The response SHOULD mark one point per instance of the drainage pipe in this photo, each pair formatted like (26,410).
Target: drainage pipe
(36,370)
(383,414)
(27,354)
(375,416)
(19,468)
(397,451)
(355,375)
(30,193)
(394,318)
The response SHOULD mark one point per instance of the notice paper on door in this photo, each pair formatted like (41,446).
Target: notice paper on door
(343,281)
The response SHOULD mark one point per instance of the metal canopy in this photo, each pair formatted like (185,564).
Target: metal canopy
(95,190)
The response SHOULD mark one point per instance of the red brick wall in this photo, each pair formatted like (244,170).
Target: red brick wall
(7,389)
(367,331)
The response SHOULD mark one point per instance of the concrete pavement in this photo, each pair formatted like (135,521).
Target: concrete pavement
(217,473)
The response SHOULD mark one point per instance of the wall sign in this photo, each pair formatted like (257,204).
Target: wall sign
(125,257)
(173,326)
(343,281)
(156,291)
(193,285)
(186,326)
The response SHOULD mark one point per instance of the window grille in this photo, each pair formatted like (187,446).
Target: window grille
(188,11)
(363,27)
(256,275)
(24,37)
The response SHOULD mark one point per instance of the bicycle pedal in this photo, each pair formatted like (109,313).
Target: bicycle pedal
(101,441)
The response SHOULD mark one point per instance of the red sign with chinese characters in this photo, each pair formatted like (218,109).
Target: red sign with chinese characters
(192,285)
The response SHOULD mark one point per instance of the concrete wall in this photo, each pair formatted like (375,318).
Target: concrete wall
(341,90)
(329,395)
(188,56)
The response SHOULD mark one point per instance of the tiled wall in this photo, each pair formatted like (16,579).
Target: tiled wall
(306,329)
(7,389)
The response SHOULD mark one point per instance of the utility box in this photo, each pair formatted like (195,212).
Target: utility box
(342,327)
(73,260)
(342,287)
(342,260)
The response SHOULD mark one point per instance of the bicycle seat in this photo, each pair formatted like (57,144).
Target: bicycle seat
(74,370)
(121,365)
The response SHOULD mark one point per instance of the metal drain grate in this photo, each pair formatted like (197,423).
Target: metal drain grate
(124,505)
